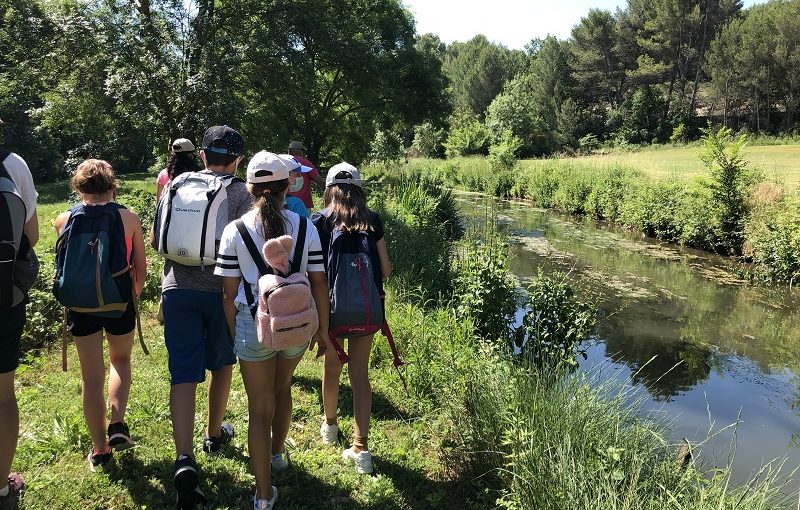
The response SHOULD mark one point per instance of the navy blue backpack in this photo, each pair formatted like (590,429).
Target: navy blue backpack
(353,268)
(92,269)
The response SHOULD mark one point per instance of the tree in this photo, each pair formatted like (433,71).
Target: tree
(477,70)
(597,68)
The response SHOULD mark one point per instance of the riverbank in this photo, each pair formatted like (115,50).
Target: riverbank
(674,210)
(477,428)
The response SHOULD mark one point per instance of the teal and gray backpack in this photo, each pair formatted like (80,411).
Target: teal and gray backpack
(15,252)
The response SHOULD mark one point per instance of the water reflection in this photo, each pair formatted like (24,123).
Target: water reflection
(705,346)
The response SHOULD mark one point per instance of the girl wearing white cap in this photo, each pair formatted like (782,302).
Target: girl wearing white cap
(346,211)
(181,159)
(267,374)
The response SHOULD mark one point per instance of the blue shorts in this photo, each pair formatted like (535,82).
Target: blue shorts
(196,334)
(248,348)
(13,321)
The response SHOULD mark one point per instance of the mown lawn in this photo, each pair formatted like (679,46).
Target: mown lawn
(780,162)
(54,440)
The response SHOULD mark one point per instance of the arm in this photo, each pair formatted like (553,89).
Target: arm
(159,189)
(31,229)
(319,289)
(61,220)
(386,266)
(317,179)
(230,288)
(139,262)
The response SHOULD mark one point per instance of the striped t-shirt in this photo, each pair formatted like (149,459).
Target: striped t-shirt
(234,259)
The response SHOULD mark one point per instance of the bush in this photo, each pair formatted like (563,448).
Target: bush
(428,141)
(574,186)
(468,136)
(503,153)
(773,240)
(485,292)
(386,147)
(555,323)
(611,187)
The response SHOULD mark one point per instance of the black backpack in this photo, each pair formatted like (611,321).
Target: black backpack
(18,263)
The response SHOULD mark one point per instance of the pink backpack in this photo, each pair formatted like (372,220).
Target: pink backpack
(286,315)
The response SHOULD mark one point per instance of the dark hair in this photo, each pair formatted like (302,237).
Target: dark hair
(269,204)
(348,205)
(94,177)
(217,159)
(180,162)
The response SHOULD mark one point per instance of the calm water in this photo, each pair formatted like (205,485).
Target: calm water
(706,350)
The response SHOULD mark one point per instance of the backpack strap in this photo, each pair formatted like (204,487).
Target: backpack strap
(139,324)
(262,266)
(299,247)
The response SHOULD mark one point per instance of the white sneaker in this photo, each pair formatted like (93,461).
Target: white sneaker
(280,462)
(329,433)
(265,504)
(362,460)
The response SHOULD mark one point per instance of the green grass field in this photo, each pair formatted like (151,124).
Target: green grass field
(778,162)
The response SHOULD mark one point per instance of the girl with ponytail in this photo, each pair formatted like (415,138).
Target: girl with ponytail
(267,374)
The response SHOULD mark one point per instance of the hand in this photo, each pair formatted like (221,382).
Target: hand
(322,341)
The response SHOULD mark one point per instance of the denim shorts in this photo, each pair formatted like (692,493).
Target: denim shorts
(248,348)
(196,334)
(13,321)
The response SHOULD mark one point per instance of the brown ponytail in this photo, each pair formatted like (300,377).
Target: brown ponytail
(269,203)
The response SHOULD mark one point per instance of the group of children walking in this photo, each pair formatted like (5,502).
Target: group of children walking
(248,276)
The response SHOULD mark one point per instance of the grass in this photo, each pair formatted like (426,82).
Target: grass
(778,162)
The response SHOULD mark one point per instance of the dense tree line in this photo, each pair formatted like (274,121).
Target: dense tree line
(656,71)
(352,79)
(121,78)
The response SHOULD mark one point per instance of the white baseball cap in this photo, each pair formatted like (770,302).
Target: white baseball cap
(293,164)
(266,167)
(343,173)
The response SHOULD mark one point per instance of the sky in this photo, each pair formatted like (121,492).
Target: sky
(512,23)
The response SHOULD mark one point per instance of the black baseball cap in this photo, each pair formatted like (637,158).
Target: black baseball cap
(223,140)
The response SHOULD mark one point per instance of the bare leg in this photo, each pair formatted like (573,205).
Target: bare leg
(93,376)
(119,377)
(259,383)
(331,372)
(182,409)
(358,368)
(283,402)
(219,387)
(9,424)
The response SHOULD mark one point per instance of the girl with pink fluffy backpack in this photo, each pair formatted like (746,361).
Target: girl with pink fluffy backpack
(276,304)
(356,263)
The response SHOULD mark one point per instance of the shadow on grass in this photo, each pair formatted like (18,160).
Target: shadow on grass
(382,407)
(150,486)
(419,491)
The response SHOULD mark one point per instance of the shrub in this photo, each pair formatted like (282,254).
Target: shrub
(610,188)
(728,183)
(503,153)
(468,136)
(387,146)
(555,323)
(574,187)
(773,240)
(485,292)
(428,141)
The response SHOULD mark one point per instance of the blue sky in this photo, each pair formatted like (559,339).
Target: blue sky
(510,22)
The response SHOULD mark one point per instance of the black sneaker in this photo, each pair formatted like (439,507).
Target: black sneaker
(213,444)
(98,460)
(186,480)
(16,486)
(119,436)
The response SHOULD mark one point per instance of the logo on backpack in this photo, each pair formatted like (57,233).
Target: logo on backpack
(18,264)
(190,217)
(92,268)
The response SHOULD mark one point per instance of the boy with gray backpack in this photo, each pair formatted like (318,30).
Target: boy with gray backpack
(19,232)
(191,215)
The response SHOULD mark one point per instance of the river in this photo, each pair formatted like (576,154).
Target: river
(714,356)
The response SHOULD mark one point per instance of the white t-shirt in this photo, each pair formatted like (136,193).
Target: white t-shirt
(234,259)
(21,175)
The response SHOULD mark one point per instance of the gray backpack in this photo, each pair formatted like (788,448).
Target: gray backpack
(18,263)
